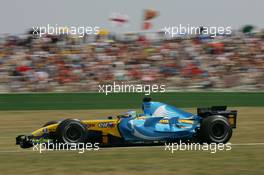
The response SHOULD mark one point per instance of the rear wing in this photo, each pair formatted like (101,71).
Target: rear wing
(231,115)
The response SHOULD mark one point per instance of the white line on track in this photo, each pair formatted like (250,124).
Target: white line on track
(132,147)
(246,144)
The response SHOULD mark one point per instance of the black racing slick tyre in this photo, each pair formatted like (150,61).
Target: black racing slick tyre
(215,129)
(50,123)
(71,131)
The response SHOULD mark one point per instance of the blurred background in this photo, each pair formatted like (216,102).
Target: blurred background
(130,47)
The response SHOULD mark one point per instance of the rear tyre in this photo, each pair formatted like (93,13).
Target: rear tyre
(215,129)
(71,131)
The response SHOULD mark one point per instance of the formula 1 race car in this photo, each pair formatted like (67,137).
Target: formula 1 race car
(159,123)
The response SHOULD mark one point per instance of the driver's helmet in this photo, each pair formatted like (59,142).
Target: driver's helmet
(131,113)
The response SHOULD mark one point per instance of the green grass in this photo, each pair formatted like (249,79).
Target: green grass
(152,161)
(44,101)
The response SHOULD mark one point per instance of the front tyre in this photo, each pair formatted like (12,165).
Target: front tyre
(71,131)
(215,129)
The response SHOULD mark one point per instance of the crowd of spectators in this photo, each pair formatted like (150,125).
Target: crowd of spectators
(68,63)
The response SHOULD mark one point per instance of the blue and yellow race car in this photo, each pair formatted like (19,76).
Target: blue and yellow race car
(159,123)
